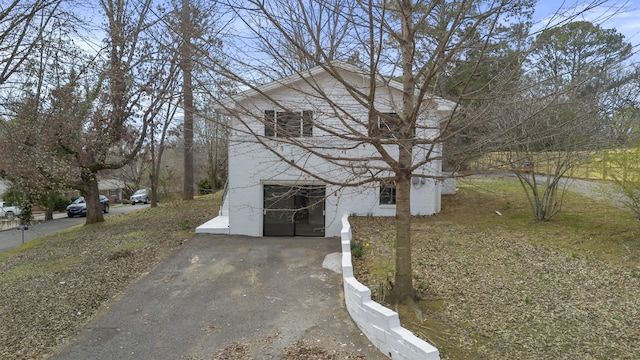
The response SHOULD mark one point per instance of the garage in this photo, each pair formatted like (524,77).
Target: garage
(294,210)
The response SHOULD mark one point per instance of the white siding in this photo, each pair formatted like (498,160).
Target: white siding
(251,164)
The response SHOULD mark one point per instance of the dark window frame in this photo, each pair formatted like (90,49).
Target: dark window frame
(269,123)
(388,126)
(388,194)
(288,124)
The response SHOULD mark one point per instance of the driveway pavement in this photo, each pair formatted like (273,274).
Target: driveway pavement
(230,297)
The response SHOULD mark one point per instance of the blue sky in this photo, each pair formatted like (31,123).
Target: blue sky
(623,15)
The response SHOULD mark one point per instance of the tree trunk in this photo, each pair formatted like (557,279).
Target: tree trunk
(48,213)
(185,61)
(154,186)
(91,197)
(403,286)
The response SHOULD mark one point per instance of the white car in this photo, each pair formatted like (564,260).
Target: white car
(9,212)
(140,196)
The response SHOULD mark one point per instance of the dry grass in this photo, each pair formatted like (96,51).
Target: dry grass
(504,287)
(53,285)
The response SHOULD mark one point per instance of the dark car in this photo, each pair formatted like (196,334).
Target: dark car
(79,207)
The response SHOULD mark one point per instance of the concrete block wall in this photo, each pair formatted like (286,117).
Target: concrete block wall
(380,324)
(8,224)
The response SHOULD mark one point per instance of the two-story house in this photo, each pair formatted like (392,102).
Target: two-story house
(301,156)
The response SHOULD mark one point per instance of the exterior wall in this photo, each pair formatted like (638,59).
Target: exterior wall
(252,164)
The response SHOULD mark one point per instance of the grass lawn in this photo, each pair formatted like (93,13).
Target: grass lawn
(494,284)
(51,286)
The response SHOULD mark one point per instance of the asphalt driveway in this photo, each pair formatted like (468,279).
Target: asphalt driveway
(230,297)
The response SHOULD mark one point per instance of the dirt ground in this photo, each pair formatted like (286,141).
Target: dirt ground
(498,293)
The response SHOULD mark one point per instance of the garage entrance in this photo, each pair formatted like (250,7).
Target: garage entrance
(294,210)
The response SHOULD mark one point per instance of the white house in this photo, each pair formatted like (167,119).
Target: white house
(295,185)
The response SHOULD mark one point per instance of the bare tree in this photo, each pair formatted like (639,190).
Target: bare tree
(98,112)
(35,40)
(191,26)
(120,91)
(566,114)
(187,28)
(23,25)
(391,43)
(160,131)
(211,136)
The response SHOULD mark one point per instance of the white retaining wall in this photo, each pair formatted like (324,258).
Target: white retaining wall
(380,324)
(8,224)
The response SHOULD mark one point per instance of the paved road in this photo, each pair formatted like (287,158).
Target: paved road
(12,238)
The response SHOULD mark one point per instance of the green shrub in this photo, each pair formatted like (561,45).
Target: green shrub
(357,250)
(60,202)
(204,186)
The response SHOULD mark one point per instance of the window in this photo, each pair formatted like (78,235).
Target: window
(388,194)
(288,124)
(269,123)
(388,126)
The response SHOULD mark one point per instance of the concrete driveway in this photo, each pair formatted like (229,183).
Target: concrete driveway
(229,297)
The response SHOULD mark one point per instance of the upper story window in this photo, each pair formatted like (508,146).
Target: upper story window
(388,194)
(288,124)
(388,126)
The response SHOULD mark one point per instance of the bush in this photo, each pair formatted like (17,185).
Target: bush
(60,202)
(13,196)
(204,186)
(357,250)
(627,177)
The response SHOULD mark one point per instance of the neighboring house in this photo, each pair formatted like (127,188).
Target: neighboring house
(267,196)
(112,189)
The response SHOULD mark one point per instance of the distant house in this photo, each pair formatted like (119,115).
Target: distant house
(267,196)
(113,189)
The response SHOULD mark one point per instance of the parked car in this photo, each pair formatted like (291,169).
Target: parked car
(79,207)
(140,196)
(9,212)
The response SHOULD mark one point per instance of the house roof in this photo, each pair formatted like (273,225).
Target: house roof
(228,103)
(110,184)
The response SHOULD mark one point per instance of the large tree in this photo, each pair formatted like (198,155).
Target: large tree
(386,40)
(99,103)
(191,34)
(35,38)
(575,72)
